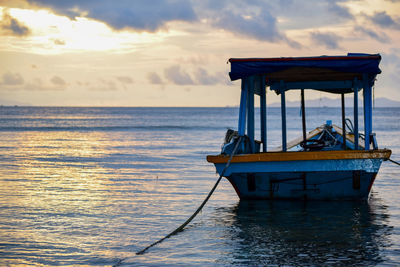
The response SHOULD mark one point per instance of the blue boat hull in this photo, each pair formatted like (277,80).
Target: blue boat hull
(312,179)
(317,175)
(322,185)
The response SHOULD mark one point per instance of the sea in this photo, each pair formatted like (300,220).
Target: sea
(94,185)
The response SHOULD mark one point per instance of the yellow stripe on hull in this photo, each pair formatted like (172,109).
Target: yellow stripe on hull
(309,155)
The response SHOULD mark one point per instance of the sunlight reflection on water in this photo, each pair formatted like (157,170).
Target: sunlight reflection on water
(93,197)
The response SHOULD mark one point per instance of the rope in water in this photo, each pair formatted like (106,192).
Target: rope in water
(395,162)
(180,228)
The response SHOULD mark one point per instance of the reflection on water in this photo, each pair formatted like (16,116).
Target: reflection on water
(305,233)
(83,198)
(90,186)
(54,201)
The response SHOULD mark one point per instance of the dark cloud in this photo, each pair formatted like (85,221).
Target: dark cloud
(256,19)
(154,78)
(251,19)
(260,26)
(12,26)
(327,39)
(178,76)
(142,15)
(381,36)
(385,21)
(248,19)
(300,14)
(10,78)
(339,11)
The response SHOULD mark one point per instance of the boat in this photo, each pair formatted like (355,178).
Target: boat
(327,163)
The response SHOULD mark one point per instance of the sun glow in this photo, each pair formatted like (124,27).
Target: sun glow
(53,34)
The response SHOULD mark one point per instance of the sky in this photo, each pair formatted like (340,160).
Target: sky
(175,52)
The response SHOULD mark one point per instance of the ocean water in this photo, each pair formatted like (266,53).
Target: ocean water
(92,186)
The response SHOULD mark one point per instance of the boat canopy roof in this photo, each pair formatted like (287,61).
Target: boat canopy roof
(335,74)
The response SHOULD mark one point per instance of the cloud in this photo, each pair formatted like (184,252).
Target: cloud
(339,11)
(392,60)
(125,79)
(105,85)
(384,20)
(287,14)
(80,83)
(328,39)
(381,37)
(247,19)
(142,15)
(38,85)
(12,26)
(390,79)
(10,78)
(200,76)
(58,81)
(14,81)
(154,78)
(204,78)
(178,76)
(259,26)
(195,60)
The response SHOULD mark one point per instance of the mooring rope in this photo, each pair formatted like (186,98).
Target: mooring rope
(395,162)
(180,228)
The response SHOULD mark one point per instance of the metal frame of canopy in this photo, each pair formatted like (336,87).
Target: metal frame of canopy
(339,74)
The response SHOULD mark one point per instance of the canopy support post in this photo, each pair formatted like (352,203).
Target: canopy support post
(367,96)
(243,108)
(250,114)
(263,113)
(355,87)
(343,123)
(283,115)
(303,115)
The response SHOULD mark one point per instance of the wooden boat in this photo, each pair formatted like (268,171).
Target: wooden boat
(328,163)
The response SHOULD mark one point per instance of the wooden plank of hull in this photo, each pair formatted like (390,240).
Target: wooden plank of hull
(303,155)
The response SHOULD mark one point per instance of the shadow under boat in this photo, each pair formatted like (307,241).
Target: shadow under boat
(305,233)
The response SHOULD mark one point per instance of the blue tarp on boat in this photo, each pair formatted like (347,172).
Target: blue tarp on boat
(350,64)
